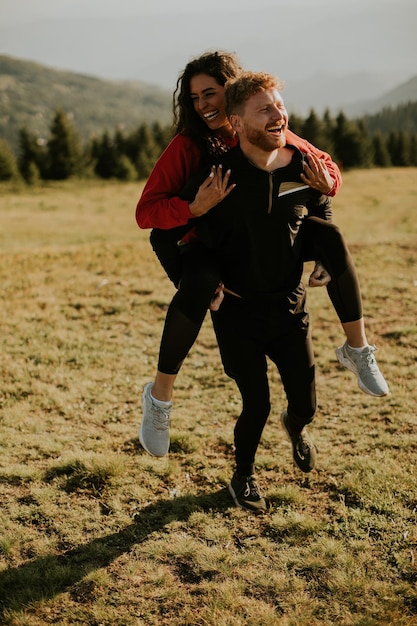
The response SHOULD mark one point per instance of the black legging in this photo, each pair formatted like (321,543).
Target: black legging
(193,269)
(187,310)
(324,240)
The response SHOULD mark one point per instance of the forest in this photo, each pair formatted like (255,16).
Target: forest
(386,139)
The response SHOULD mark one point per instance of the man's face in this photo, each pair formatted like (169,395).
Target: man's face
(264,122)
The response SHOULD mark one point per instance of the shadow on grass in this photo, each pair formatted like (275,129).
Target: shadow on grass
(45,577)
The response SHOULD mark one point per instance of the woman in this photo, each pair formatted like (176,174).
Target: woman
(203,132)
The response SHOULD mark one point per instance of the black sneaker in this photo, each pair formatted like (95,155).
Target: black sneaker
(246,493)
(303,449)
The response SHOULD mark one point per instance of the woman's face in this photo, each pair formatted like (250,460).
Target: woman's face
(207,97)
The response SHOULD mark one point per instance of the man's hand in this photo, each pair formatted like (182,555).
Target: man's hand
(217,298)
(212,191)
(316,174)
(319,277)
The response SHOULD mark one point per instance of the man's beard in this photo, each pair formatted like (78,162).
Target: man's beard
(258,139)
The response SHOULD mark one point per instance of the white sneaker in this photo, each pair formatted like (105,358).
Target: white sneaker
(364,365)
(154,429)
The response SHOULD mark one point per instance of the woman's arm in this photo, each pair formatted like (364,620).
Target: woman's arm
(160,205)
(325,163)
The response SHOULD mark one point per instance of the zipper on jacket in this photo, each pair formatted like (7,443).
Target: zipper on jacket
(270,194)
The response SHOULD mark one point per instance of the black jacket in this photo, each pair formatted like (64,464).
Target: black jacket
(255,230)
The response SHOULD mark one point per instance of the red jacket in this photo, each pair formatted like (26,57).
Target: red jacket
(160,205)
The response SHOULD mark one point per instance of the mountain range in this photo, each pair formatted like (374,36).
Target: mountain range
(361,85)
(330,53)
(31,92)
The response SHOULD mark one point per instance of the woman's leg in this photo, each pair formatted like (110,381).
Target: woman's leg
(355,333)
(187,310)
(192,270)
(198,282)
(325,241)
(165,245)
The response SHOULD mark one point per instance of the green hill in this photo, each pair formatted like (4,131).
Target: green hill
(30,93)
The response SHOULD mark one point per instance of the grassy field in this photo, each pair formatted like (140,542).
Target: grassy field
(96,532)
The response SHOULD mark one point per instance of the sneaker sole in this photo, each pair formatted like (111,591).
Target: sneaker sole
(142,443)
(283,416)
(233,494)
(343,360)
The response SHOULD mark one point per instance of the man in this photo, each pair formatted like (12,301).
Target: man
(259,239)
(254,233)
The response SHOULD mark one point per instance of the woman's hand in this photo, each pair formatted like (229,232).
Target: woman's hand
(212,191)
(316,174)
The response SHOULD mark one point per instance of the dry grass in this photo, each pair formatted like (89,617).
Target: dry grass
(94,531)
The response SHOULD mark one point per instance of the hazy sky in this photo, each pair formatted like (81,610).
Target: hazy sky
(152,40)
(18,11)
(22,10)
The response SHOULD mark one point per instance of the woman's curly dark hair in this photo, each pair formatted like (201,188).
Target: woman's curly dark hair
(221,66)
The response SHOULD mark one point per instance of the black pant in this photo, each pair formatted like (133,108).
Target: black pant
(247,333)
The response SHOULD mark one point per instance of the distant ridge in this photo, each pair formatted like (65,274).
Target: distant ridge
(31,92)
(403,94)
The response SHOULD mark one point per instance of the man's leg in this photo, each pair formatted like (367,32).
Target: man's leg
(293,355)
(244,361)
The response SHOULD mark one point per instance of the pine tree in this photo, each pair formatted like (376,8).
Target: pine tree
(413,150)
(366,149)
(147,151)
(399,148)
(352,146)
(295,123)
(125,169)
(32,157)
(33,175)
(392,146)
(162,135)
(105,156)
(64,148)
(313,130)
(109,158)
(403,149)
(8,164)
(381,154)
(329,125)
